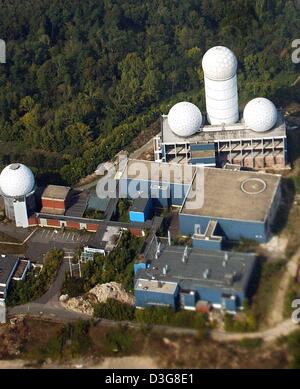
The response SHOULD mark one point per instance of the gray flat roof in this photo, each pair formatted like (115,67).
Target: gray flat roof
(7,266)
(155,286)
(158,171)
(56,192)
(238,195)
(214,133)
(233,275)
(139,204)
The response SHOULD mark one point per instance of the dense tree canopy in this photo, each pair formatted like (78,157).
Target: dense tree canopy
(84,77)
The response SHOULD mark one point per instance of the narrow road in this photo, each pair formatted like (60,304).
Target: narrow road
(276,312)
(52,295)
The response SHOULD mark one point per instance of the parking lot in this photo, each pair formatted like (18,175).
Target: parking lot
(52,235)
(45,239)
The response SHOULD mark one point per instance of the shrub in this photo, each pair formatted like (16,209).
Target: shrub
(246,323)
(293,341)
(251,343)
(292,293)
(73,287)
(167,316)
(114,310)
(118,340)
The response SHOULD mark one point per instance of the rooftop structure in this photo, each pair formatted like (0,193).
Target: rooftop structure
(16,180)
(56,192)
(217,277)
(219,63)
(155,286)
(17,186)
(211,268)
(185,119)
(233,143)
(260,114)
(219,66)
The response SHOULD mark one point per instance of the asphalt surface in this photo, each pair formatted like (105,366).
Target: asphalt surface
(52,295)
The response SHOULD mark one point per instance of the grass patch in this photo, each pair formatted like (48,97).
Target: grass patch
(262,302)
(118,340)
(72,341)
(167,316)
(251,343)
(292,293)
(293,342)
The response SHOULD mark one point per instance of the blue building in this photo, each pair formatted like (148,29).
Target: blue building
(141,210)
(214,204)
(186,277)
(166,184)
(232,205)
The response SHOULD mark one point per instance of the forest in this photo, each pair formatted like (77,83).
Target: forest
(83,78)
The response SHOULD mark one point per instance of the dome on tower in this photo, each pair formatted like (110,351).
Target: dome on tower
(185,119)
(16,180)
(219,63)
(260,114)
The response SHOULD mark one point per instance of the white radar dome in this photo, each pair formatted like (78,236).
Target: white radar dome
(185,119)
(219,63)
(16,180)
(260,114)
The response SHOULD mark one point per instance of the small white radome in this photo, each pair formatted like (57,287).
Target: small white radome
(16,180)
(185,119)
(219,63)
(260,114)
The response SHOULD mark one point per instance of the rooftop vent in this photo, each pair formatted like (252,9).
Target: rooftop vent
(229,278)
(206,273)
(14,166)
(185,255)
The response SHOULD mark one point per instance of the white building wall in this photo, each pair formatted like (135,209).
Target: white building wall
(221,101)
(21,216)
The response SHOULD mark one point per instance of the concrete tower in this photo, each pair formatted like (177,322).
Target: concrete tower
(17,186)
(219,66)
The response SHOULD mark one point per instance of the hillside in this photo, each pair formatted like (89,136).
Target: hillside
(83,78)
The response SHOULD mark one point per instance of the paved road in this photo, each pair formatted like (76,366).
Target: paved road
(52,295)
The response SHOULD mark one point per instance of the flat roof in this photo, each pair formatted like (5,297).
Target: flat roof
(139,204)
(155,286)
(21,268)
(7,266)
(56,192)
(77,203)
(229,194)
(219,269)
(158,171)
(214,133)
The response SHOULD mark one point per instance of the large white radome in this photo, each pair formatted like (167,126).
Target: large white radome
(260,114)
(185,119)
(16,180)
(219,63)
